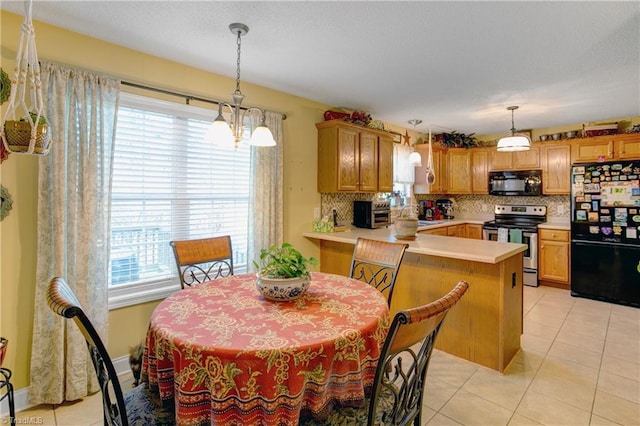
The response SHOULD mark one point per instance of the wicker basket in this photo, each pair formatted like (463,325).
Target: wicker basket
(17,134)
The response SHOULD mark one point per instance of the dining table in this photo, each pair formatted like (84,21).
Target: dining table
(223,354)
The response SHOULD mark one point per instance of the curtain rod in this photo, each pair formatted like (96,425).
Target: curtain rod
(188,98)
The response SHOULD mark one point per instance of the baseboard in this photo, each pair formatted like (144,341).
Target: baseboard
(21,396)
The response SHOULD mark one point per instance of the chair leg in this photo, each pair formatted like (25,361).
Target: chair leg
(12,408)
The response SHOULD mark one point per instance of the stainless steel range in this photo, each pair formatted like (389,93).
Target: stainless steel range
(519,224)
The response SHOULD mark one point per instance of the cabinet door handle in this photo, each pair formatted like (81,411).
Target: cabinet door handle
(610,146)
(542,246)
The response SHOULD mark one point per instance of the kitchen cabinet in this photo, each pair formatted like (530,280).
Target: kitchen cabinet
(473,231)
(554,256)
(457,231)
(439,157)
(459,171)
(555,160)
(518,160)
(437,231)
(480,171)
(385,164)
(613,147)
(349,158)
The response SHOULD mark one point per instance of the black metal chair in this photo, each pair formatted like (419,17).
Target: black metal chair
(377,263)
(398,389)
(5,382)
(140,406)
(203,259)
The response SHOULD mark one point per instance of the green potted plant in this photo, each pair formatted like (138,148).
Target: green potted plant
(283,272)
(17,134)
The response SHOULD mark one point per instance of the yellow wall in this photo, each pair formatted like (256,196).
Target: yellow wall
(127,326)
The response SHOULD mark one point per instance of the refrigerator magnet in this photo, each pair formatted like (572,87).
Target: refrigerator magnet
(581,215)
(594,229)
(593,216)
(578,170)
(632,233)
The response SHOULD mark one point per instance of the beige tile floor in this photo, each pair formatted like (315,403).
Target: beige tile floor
(580,365)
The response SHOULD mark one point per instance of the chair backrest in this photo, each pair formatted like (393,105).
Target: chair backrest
(402,369)
(203,259)
(64,302)
(377,263)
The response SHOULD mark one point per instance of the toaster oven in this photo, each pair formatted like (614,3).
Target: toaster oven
(371,213)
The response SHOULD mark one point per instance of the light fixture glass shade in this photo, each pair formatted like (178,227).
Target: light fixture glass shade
(415,159)
(219,133)
(262,136)
(514,143)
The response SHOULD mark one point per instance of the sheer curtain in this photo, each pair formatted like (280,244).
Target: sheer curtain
(73,226)
(266,193)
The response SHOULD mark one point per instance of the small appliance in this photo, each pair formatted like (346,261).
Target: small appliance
(427,210)
(446,208)
(516,183)
(371,213)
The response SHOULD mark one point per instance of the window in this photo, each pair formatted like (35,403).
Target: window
(169,184)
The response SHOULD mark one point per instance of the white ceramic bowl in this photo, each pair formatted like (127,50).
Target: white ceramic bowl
(282,289)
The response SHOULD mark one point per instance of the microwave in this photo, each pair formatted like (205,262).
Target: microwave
(371,214)
(516,183)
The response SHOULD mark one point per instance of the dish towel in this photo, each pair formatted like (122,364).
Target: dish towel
(503,235)
(515,236)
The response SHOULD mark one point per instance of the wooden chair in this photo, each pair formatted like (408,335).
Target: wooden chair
(140,406)
(203,259)
(377,263)
(398,389)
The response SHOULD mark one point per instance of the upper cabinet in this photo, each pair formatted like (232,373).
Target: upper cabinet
(353,158)
(480,170)
(519,160)
(555,160)
(459,170)
(385,163)
(439,157)
(605,148)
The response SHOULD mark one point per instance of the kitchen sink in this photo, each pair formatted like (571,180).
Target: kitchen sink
(429,222)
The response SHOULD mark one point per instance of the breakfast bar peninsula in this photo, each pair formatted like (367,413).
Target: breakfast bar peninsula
(486,325)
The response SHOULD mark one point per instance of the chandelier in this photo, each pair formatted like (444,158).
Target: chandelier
(227,134)
(514,142)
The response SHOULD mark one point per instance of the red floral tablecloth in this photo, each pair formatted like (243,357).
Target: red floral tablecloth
(228,356)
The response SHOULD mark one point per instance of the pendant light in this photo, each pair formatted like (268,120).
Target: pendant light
(224,134)
(414,158)
(514,142)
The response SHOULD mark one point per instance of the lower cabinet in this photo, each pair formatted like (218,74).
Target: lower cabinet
(436,231)
(463,231)
(554,256)
(473,231)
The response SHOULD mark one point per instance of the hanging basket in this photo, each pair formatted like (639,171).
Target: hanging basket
(31,134)
(17,137)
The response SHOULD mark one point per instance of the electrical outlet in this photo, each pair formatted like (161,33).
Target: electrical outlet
(485,208)
(316,213)
(561,209)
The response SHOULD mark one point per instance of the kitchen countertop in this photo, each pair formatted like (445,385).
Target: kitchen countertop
(433,245)
(556,223)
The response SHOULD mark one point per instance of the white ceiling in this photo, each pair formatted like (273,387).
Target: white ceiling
(455,65)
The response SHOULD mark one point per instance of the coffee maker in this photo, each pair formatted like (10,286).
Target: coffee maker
(446,207)
(428,210)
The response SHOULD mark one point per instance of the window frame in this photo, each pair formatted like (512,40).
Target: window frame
(129,294)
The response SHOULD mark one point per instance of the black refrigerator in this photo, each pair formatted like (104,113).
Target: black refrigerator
(605,231)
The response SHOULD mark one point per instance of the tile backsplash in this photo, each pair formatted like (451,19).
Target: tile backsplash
(557,205)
